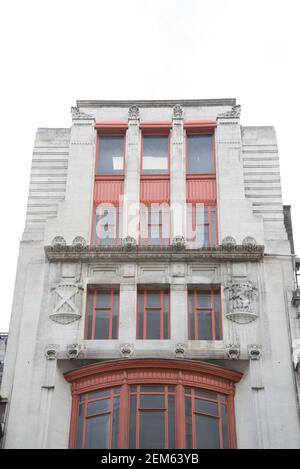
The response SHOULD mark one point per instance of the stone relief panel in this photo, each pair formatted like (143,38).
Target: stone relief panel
(66,302)
(241,304)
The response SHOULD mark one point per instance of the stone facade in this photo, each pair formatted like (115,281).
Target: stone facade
(252,264)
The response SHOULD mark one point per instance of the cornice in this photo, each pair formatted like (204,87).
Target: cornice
(156,103)
(221,253)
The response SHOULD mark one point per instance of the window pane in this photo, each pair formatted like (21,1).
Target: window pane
(111,155)
(207,394)
(103,300)
(97,432)
(90,314)
(132,432)
(200,155)
(191,316)
(224,427)
(188,422)
(152,401)
(217,315)
(153,299)
(102,324)
(140,315)
(155,154)
(99,407)
(152,429)
(206,407)
(166,316)
(153,324)
(115,316)
(204,299)
(207,432)
(171,412)
(152,388)
(213,226)
(204,325)
(98,394)
(115,425)
(80,427)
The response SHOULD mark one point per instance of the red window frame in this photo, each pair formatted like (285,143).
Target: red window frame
(193,228)
(93,293)
(200,128)
(161,372)
(146,241)
(155,129)
(117,240)
(215,295)
(164,315)
(110,129)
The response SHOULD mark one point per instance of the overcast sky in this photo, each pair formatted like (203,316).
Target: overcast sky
(54,52)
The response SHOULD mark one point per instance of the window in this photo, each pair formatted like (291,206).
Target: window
(155,154)
(154,225)
(201,225)
(204,312)
(200,154)
(102,314)
(153,314)
(152,404)
(111,149)
(107,225)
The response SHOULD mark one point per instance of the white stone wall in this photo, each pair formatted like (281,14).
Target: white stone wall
(249,204)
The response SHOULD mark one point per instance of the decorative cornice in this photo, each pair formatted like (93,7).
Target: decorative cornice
(157,103)
(152,253)
(235,113)
(77,114)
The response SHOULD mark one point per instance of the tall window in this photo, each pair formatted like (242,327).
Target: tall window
(152,417)
(102,314)
(201,225)
(153,321)
(155,225)
(204,314)
(107,225)
(110,158)
(200,154)
(155,154)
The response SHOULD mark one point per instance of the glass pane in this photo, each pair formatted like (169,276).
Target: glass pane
(99,407)
(204,299)
(207,432)
(204,325)
(102,325)
(188,422)
(153,324)
(191,316)
(206,407)
(80,427)
(166,315)
(111,155)
(132,432)
(152,388)
(90,314)
(200,155)
(103,300)
(217,315)
(153,299)
(213,226)
(224,427)
(207,394)
(98,394)
(155,154)
(171,422)
(97,432)
(115,316)
(152,401)
(140,315)
(115,424)
(152,429)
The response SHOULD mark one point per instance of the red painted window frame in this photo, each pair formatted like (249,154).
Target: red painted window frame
(179,373)
(118,223)
(94,293)
(162,292)
(200,128)
(117,129)
(196,290)
(149,225)
(155,129)
(208,206)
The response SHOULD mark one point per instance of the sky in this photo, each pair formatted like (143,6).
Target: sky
(55,52)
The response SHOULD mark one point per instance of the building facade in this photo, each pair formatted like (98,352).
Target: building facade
(155,302)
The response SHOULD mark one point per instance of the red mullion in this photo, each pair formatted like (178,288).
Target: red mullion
(220,421)
(213,319)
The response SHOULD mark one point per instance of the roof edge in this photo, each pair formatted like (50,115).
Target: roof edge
(156,103)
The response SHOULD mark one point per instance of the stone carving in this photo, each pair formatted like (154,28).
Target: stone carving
(241,295)
(126,350)
(233,351)
(133,113)
(73,351)
(177,112)
(67,302)
(249,243)
(129,242)
(234,113)
(79,242)
(77,114)
(229,243)
(58,242)
(178,242)
(254,351)
(179,350)
(51,351)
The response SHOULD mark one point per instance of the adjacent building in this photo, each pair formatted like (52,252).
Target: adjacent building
(155,302)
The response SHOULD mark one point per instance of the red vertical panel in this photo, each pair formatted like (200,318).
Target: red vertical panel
(108,191)
(155,191)
(201,191)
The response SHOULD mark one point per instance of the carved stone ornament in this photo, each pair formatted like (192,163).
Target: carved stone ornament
(178,242)
(179,350)
(254,351)
(234,113)
(249,243)
(126,350)
(51,351)
(129,242)
(240,296)
(73,351)
(177,112)
(79,242)
(58,242)
(133,113)
(233,351)
(228,243)
(67,298)
(77,114)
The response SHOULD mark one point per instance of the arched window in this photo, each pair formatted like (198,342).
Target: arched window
(152,403)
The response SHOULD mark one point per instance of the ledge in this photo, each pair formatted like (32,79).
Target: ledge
(156,102)
(153,253)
